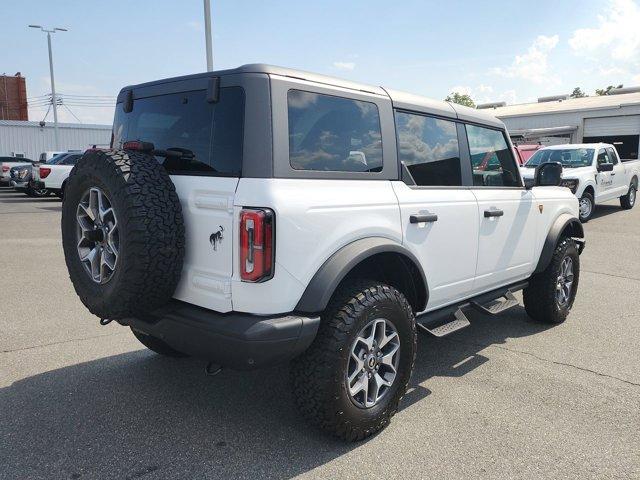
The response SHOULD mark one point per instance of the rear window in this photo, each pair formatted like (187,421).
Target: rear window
(428,148)
(328,133)
(210,134)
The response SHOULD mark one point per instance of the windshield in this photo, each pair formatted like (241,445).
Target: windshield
(569,158)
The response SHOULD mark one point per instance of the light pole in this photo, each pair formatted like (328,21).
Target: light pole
(207,34)
(54,99)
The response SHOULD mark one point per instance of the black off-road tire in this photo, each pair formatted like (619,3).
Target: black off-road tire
(156,345)
(151,232)
(588,196)
(318,376)
(540,296)
(629,200)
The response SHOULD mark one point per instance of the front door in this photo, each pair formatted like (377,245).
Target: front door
(507,214)
(604,179)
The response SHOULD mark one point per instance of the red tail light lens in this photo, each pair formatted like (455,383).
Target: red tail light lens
(44,172)
(257,244)
(5,168)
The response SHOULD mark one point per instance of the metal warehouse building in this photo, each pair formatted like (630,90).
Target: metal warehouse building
(613,118)
(30,139)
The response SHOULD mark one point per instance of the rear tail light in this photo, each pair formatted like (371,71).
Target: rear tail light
(138,146)
(257,244)
(44,172)
(5,168)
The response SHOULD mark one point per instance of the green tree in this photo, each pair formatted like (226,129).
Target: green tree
(578,93)
(606,91)
(460,99)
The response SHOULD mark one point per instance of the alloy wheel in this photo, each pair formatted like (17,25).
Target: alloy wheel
(564,283)
(373,363)
(98,235)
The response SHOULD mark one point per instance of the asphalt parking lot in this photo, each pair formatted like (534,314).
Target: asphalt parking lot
(504,398)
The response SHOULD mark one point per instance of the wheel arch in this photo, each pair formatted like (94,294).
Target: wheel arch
(374,257)
(566,225)
(589,187)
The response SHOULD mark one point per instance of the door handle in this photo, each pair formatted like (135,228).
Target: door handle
(612,174)
(493,213)
(429,218)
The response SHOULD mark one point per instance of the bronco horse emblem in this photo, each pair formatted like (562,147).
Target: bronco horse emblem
(216,238)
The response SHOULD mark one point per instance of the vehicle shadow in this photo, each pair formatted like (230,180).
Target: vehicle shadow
(604,210)
(138,414)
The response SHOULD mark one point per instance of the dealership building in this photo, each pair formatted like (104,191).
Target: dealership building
(613,118)
(30,139)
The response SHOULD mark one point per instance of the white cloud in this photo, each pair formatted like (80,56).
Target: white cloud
(617,36)
(195,25)
(532,65)
(344,65)
(485,93)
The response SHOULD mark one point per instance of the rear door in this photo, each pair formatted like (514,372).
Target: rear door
(210,135)
(620,182)
(507,216)
(439,216)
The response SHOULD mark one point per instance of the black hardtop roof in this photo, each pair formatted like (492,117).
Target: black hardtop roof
(400,99)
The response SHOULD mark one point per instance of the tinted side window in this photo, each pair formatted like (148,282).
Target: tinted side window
(603,157)
(428,147)
(210,135)
(612,155)
(491,159)
(329,133)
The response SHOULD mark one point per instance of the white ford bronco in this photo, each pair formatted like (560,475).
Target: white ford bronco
(260,215)
(594,172)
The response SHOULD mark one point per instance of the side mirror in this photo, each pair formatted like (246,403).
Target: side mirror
(548,175)
(605,167)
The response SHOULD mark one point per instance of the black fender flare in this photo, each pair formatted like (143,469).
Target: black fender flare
(556,232)
(324,283)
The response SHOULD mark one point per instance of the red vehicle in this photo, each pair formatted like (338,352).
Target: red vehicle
(525,152)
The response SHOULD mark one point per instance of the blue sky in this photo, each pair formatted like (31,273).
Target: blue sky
(495,50)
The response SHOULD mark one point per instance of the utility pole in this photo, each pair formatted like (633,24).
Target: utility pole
(54,98)
(207,34)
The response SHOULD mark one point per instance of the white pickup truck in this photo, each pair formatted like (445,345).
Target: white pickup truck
(593,172)
(53,176)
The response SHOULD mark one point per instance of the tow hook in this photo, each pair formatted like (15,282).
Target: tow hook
(212,369)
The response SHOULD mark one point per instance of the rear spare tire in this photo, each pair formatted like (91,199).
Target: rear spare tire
(122,233)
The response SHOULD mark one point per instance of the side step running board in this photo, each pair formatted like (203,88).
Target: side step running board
(497,306)
(439,322)
(460,322)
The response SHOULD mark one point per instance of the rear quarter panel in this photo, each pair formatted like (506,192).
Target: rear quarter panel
(59,173)
(314,219)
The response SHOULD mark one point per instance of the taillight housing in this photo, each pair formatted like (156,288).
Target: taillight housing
(44,172)
(257,244)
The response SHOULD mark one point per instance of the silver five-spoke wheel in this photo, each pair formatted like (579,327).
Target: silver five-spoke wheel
(565,282)
(373,363)
(98,235)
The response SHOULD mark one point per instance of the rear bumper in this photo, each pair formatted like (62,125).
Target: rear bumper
(236,340)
